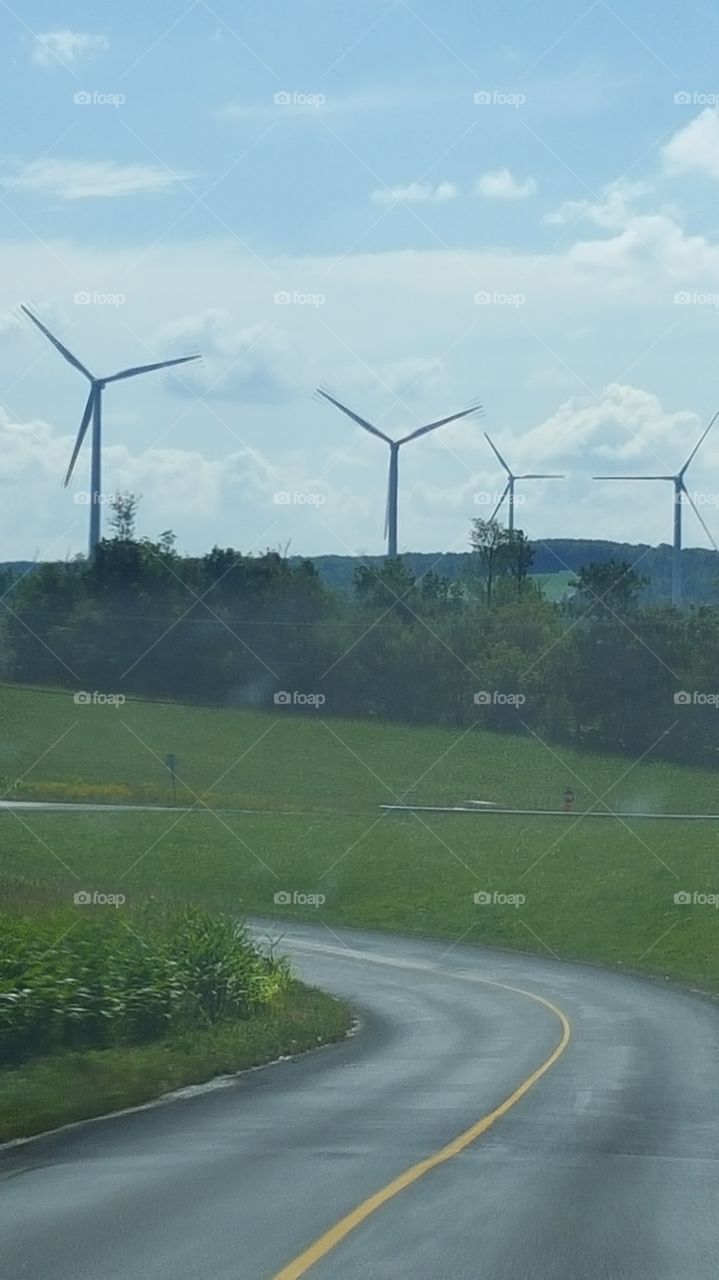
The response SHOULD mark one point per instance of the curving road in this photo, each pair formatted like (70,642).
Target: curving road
(603,1161)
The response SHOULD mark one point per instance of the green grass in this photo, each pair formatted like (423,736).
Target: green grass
(600,890)
(75,1086)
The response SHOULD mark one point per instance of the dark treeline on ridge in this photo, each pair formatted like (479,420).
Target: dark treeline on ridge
(603,668)
(557,556)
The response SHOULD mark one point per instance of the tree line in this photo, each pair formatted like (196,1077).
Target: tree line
(602,669)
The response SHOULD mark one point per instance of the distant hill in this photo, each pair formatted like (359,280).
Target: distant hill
(562,557)
(18,566)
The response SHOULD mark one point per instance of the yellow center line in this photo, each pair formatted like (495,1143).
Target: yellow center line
(325,1243)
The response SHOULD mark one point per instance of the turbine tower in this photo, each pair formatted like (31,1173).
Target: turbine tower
(511,481)
(390,526)
(680,494)
(93,411)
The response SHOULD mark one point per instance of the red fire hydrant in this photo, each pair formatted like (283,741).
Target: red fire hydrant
(568,800)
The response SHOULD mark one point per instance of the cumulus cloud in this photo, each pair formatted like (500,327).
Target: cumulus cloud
(92,179)
(624,424)
(500,184)
(29,447)
(65,46)
(254,364)
(416,193)
(695,148)
(616,205)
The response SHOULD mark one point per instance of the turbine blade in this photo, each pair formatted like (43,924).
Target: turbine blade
(698,444)
(497,454)
(501,500)
(148,368)
(362,422)
(700,518)
(73,360)
(432,426)
(84,424)
(535,475)
(633,477)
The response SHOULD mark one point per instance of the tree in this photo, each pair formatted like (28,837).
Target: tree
(391,586)
(123,515)
(499,553)
(613,584)
(520,557)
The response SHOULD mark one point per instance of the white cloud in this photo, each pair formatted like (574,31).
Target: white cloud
(65,46)
(253,364)
(611,211)
(309,104)
(500,184)
(695,148)
(624,424)
(416,192)
(92,179)
(9,324)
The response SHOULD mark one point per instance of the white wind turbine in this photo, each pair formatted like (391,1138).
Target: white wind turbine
(390,527)
(93,411)
(512,480)
(681,494)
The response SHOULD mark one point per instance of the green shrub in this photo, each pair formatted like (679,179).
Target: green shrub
(114,976)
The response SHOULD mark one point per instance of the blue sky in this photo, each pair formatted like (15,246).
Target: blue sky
(509,204)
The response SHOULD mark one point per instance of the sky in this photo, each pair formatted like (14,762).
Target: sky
(415,205)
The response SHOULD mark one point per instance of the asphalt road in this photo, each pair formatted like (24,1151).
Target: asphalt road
(606,1165)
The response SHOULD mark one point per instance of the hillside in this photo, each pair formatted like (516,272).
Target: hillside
(557,556)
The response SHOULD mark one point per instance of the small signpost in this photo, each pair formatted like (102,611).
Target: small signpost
(568,800)
(172,762)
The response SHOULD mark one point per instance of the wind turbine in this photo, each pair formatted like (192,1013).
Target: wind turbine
(93,411)
(680,493)
(511,481)
(390,525)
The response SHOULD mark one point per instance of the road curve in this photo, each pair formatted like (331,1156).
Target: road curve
(604,1165)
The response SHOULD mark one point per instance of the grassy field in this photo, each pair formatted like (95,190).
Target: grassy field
(601,890)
